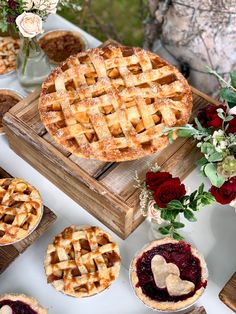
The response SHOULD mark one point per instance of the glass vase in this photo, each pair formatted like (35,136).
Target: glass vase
(32,64)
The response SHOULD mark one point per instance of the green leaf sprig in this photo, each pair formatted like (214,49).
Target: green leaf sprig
(228,89)
(208,142)
(187,206)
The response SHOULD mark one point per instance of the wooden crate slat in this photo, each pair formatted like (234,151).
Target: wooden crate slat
(92,166)
(9,253)
(228,293)
(121,180)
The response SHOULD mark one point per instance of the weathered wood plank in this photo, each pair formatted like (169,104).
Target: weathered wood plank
(92,166)
(198,310)
(228,293)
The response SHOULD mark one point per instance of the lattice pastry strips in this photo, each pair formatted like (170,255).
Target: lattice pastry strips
(20,209)
(82,261)
(113,103)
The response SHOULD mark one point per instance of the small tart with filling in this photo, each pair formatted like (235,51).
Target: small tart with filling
(82,261)
(21,210)
(19,304)
(9,48)
(59,45)
(8,99)
(168,275)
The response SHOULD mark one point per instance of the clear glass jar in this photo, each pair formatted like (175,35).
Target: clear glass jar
(32,64)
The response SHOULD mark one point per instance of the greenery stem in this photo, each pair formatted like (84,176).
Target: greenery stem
(26,50)
(220,78)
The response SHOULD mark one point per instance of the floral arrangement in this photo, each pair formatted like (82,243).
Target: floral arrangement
(27,16)
(164,197)
(215,131)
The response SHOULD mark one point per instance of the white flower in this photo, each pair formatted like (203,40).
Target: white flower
(154,213)
(50,6)
(29,24)
(232,110)
(233,203)
(219,141)
(27,5)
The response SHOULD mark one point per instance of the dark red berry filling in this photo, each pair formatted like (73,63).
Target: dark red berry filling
(18,307)
(176,253)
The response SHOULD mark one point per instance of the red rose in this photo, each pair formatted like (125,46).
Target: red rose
(154,179)
(208,116)
(226,193)
(232,125)
(168,191)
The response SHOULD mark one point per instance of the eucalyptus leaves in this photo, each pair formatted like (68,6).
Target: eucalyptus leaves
(215,141)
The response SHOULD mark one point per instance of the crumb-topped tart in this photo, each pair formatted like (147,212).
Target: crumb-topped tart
(9,48)
(20,209)
(168,275)
(82,261)
(60,44)
(113,103)
(20,304)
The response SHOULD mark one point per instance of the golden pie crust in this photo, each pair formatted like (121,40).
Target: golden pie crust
(20,209)
(32,302)
(112,103)
(82,261)
(9,48)
(166,306)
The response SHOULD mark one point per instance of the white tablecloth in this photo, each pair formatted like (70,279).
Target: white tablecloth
(214,235)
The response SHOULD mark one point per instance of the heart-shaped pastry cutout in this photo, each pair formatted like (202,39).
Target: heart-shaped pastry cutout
(161,270)
(176,286)
(6,310)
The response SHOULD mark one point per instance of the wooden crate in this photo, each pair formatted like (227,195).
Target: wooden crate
(9,253)
(228,293)
(106,190)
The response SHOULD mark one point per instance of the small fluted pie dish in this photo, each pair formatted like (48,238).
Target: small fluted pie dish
(168,275)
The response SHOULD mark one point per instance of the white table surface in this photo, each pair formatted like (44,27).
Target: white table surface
(214,235)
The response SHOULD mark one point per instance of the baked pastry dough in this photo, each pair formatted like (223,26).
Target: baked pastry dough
(168,275)
(82,261)
(20,209)
(112,103)
(20,303)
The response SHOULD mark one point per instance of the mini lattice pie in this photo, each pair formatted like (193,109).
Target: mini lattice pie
(9,48)
(82,261)
(168,275)
(20,209)
(19,304)
(113,103)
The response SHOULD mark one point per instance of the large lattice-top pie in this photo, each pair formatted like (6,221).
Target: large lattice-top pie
(168,275)
(82,261)
(20,209)
(112,103)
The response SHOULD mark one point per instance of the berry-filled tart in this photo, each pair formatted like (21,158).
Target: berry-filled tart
(168,275)
(20,304)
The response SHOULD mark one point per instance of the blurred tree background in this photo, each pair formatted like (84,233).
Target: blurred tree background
(121,20)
